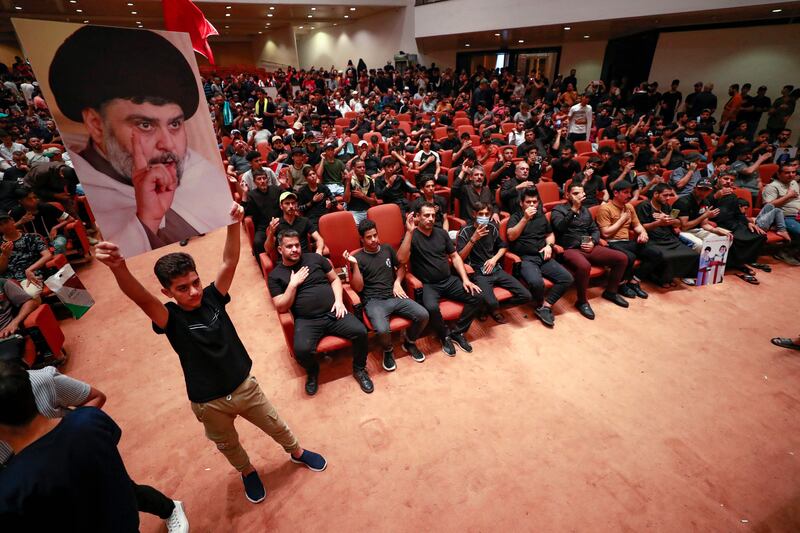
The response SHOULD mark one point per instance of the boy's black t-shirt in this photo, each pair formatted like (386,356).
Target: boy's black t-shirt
(45,218)
(429,255)
(314,297)
(214,360)
(70,479)
(357,204)
(378,272)
(311,209)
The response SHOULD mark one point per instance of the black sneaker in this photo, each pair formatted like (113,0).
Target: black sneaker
(545,314)
(253,488)
(416,354)
(585,309)
(626,291)
(461,342)
(312,384)
(388,361)
(363,380)
(448,348)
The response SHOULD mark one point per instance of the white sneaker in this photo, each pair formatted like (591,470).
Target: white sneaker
(177,522)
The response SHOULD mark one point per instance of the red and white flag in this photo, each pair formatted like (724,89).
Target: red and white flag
(183,15)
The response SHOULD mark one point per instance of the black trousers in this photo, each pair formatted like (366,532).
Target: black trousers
(647,253)
(450,288)
(501,278)
(259,240)
(151,501)
(309,331)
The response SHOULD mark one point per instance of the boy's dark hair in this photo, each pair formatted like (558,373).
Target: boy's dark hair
(479,206)
(287,233)
(252,155)
(661,187)
(365,225)
(17,402)
(172,266)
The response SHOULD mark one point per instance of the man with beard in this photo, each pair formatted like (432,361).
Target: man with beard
(147,187)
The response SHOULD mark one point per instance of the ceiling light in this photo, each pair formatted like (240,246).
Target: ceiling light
(567,28)
(17,7)
(86,22)
(774,10)
(138,22)
(227,27)
(585,36)
(272,8)
(520,41)
(466,44)
(228,7)
(352,9)
(335,24)
(269,23)
(313,9)
(299,27)
(311,16)
(269,14)
(347,16)
(497,35)
(73,1)
(312,27)
(134,12)
(79,11)
(227,14)
(130,3)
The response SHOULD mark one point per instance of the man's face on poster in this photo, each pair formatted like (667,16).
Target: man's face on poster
(159,130)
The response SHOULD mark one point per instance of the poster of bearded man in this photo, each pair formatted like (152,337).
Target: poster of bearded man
(130,107)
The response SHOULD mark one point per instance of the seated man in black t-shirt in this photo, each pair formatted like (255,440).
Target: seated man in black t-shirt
(78,451)
(216,365)
(510,191)
(314,199)
(292,220)
(480,246)
(377,276)
(428,249)
(307,285)
(359,191)
(565,167)
(531,237)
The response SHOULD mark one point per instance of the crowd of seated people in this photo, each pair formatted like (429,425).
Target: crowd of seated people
(621,181)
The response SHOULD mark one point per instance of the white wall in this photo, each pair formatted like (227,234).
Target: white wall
(465,16)
(375,39)
(586,57)
(759,55)
(276,48)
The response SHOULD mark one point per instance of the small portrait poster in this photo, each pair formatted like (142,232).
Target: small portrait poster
(713,257)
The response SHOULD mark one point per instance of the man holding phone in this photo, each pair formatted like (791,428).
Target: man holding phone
(480,246)
(578,234)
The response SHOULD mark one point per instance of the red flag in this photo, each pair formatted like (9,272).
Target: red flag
(183,15)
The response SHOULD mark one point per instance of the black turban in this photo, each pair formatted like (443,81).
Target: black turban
(97,64)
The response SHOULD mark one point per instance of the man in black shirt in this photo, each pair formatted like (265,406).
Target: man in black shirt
(428,248)
(78,451)
(530,237)
(578,234)
(470,189)
(33,216)
(313,198)
(428,194)
(359,191)
(392,186)
(292,220)
(262,205)
(307,285)
(216,365)
(670,101)
(510,191)
(377,276)
(503,170)
(451,142)
(480,246)
(565,167)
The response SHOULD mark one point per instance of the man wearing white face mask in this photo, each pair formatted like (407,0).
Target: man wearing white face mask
(480,246)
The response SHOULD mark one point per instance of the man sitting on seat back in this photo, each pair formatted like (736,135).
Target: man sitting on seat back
(307,285)
(428,248)
(377,276)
